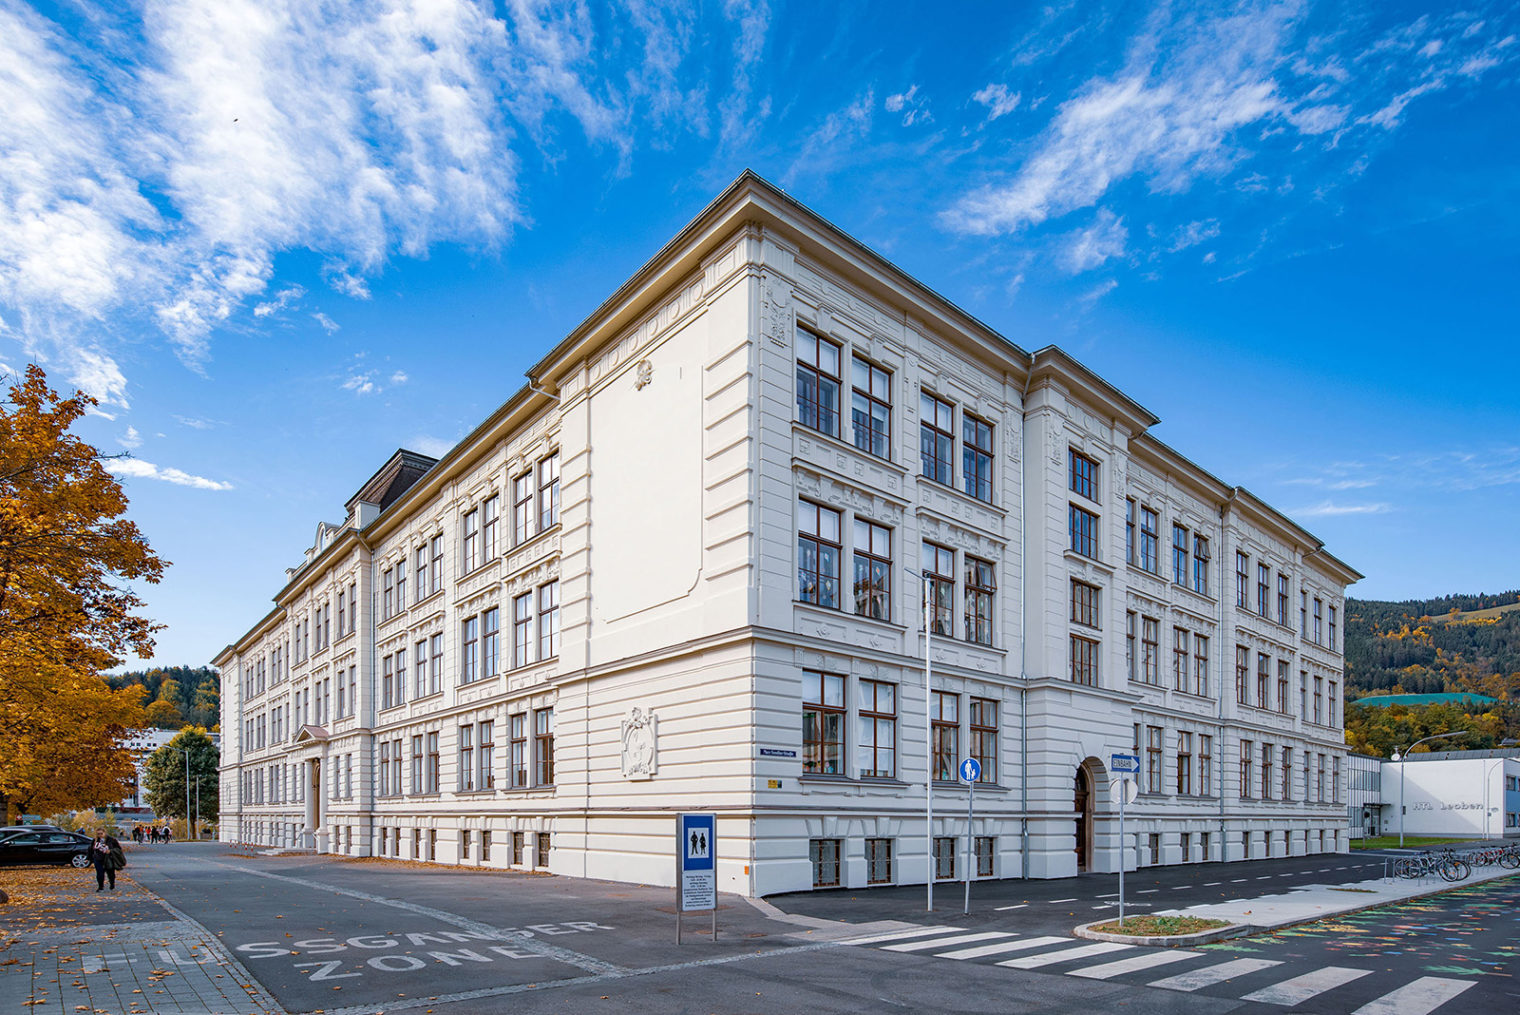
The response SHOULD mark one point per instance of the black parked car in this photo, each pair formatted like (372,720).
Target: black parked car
(10,830)
(45,847)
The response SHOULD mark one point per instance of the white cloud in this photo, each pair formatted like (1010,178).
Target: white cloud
(913,108)
(1326,508)
(282,299)
(998,100)
(195,423)
(1099,291)
(433,447)
(347,284)
(1088,248)
(1193,234)
(740,122)
(327,323)
(399,377)
(131,439)
(833,140)
(139,469)
(361,383)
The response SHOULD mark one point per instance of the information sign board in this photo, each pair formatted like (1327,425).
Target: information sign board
(696,852)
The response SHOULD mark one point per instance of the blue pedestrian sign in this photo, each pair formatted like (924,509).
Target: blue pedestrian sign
(971,770)
(1126,763)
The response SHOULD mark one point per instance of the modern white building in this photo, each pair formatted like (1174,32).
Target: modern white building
(1453,793)
(685,568)
(143,743)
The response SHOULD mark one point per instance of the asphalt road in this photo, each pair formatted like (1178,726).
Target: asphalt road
(352,937)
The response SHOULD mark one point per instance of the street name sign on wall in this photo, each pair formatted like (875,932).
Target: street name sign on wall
(696,867)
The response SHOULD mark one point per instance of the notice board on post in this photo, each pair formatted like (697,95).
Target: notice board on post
(696,867)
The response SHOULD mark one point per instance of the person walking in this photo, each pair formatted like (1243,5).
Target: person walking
(106,854)
(168,832)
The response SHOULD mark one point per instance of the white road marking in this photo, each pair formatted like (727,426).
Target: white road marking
(1212,884)
(1065,955)
(1418,998)
(1266,877)
(1149,891)
(1004,909)
(1210,975)
(1182,888)
(1023,944)
(1056,902)
(940,942)
(1300,988)
(1113,896)
(1134,963)
(1237,881)
(898,935)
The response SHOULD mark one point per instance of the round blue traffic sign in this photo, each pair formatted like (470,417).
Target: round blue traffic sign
(971,770)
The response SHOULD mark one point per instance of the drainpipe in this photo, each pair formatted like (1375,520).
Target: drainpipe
(1024,632)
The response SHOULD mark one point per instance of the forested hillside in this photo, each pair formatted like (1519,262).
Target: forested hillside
(177,695)
(1452,643)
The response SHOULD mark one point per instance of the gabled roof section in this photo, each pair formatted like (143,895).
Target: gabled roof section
(309,733)
(392,479)
(1056,364)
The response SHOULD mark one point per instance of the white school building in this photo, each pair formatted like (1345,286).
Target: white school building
(685,568)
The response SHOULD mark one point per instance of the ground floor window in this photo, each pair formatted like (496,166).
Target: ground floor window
(517,849)
(382,841)
(1187,847)
(464,844)
(944,857)
(1155,845)
(1203,846)
(984,847)
(432,844)
(1245,844)
(543,850)
(416,844)
(824,854)
(485,845)
(879,861)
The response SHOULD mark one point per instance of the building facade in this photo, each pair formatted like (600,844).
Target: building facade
(689,565)
(1474,794)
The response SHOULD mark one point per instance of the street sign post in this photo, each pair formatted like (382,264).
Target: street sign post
(1124,790)
(971,771)
(696,868)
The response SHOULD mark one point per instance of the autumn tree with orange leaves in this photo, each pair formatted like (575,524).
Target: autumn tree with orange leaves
(67,612)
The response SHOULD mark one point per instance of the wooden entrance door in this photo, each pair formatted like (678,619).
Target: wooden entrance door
(1082,804)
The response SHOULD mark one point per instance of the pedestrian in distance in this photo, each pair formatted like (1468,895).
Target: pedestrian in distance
(168,832)
(137,834)
(107,856)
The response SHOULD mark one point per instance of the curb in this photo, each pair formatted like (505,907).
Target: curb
(1203,937)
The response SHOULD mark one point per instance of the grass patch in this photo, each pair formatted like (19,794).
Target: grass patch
(1159,926)
(1392,842)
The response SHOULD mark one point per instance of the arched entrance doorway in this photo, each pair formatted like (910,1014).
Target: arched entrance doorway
(1083,805)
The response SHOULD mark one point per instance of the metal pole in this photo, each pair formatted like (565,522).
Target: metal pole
(186,750)
(970,804)
(1402,758)
(1122,795)
(928,757)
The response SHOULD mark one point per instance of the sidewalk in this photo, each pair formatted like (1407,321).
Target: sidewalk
(66,948)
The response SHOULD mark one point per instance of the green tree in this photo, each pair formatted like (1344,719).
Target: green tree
(164,783)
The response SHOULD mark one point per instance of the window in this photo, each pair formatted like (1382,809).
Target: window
(981,585)
(1200,666)
(1263,677)
(1083,526)
(1331,643)
(1266,771)
(466,759)
(939,572)
(824,854)
(1153,768)
(876,751)
(1242,579)
(1082,474)
(416,764)
(469,669)
(518,750)
(1335,780)
(1129,533)
(1282,599)
(430,772)
(1182,675)
(1287,774)
(385,768)
(1150,644)
(489,510)
(984,847)
(485,845)
(548,493)
(487,747)
(421,591)
(976,457)
(522,508)
(1303,614)
(387,681)
(936,437)
(878,861)
(983,716)
(822,723)
(1317,607)
(817,382)
(1180,555)
(1332,715)
(1084,661)
(873,570)
(548,620)
(1247,750)
(1319,784)
(543,746)
(541,849)
(871,409)
(470,533)
(1084,604)
(1201,565)
(1130,623)
(1319,689)
(464,844)
(1205,773)
(1184,764)
(517,848)
(522,629)
(818,552)
(1150,536)
(1263,587)
(387,594)
(944,858)
(1282,686)
(435,567)
(342,619)
(945,720)
(490,642)
(435,664)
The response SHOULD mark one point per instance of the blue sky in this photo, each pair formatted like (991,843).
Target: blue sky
(281,239)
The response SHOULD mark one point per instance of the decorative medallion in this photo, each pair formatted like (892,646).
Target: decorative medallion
(639,758)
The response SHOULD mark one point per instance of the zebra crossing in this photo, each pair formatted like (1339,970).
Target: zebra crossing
(1211,971)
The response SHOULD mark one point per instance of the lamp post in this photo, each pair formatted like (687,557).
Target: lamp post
(1401,755)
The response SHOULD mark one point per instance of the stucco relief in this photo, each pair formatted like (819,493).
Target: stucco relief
(640,756)
(776,311)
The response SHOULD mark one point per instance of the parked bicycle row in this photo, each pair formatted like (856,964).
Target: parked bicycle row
(1449,865)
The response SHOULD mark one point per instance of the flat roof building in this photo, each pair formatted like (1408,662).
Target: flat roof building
(686,568)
